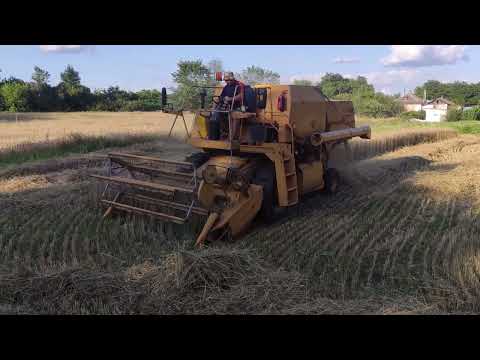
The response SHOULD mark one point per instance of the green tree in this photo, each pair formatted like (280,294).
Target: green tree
(72,95)
(460,92)
(254,75)
(115,99)
(2,102)
(303,82)
(15,95)
(335,84)
(150,100)
(43,96)
(454,115)
(70,77)
(40,77)
(471,114)
(360,85)
(434,89)
(73,99)
(188,76)
(390,107)
(111,99)
(365,100)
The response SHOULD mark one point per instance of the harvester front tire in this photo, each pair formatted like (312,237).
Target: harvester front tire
(265,178)
(332,180)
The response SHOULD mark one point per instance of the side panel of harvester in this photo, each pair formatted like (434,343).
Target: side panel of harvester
(311,114)
(308,111)
(283,156)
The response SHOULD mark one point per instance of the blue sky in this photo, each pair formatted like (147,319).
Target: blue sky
(390,68)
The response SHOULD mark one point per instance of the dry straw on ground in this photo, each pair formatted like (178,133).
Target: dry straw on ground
(394,240)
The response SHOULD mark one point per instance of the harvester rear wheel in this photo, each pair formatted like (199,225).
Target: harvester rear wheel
(332,180)
(264,177)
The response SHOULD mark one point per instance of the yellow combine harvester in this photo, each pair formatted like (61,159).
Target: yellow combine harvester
(265,156)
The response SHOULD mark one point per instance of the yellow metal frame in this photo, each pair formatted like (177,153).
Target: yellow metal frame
(276,152)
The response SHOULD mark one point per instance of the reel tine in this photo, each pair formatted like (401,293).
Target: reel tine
(163,189)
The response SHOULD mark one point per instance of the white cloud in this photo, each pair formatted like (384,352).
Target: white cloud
(425,55)
(65,48)
(387,91)
(382,79)
(398,80)
(345,60)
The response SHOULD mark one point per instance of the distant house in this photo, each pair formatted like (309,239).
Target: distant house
(436,110)
(442,103)
(411,102)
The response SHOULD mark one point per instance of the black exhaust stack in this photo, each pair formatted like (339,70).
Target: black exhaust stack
(164,97)
(203,95)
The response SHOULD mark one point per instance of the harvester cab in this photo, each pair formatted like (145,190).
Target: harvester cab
(253,158)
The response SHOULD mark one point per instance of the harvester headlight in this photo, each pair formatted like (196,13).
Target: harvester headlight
(210,174)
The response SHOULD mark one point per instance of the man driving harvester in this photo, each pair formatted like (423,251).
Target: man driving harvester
(234,90)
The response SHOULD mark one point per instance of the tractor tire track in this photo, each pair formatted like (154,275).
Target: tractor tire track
(410,217)
(22,231)
(336,238)
(410,202)
(428,270)
(317,238)
(53,258)
(384,207)
(425,206)
(285,248)
(442,244)
(396,211)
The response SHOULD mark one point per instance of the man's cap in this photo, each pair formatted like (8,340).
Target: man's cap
(228,76)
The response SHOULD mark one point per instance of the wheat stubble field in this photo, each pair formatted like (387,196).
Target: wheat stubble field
(44,127)
(401,237)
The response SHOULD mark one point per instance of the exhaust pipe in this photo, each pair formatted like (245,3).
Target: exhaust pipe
(164,97)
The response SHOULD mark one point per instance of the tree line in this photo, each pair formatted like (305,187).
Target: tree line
(366,100)
(460,92)
(376,104)
(70,94)
(192,74)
